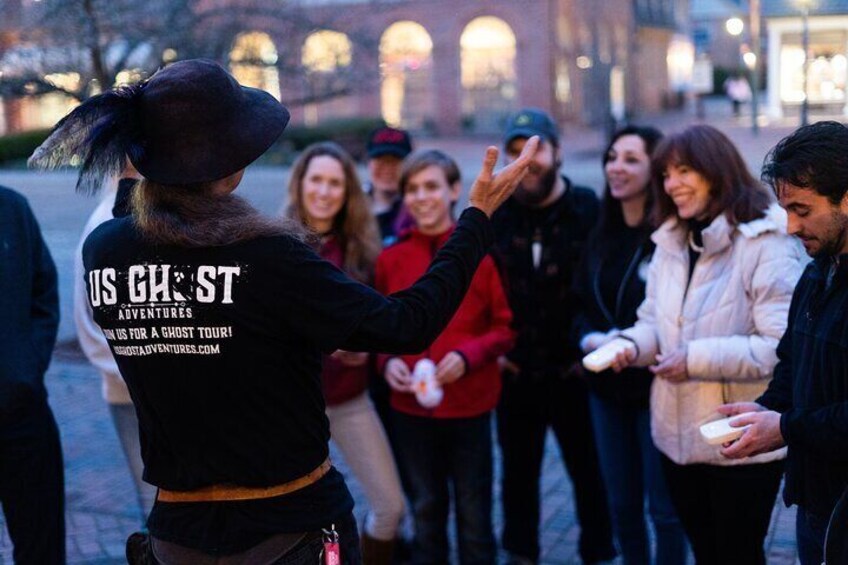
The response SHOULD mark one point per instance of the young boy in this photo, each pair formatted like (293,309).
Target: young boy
(451,443)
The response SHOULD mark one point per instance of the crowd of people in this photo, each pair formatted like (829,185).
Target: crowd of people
(234,346)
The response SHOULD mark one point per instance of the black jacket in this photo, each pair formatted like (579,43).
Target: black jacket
(541,298)
(29,310)
(810,389)
(221,350)
(626,253)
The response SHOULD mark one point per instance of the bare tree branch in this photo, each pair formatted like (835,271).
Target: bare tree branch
(97,39)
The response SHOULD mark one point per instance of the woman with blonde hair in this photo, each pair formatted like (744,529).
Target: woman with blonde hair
(325,196)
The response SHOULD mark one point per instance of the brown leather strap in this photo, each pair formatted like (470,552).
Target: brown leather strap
(224,493)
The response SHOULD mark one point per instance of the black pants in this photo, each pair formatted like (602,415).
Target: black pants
(725,510)
(308,551)
(527,409)
(32,487)
(449,460)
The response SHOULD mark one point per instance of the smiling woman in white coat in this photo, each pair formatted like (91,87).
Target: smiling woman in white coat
(717,300)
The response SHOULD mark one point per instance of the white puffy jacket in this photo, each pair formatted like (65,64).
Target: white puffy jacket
(731,318)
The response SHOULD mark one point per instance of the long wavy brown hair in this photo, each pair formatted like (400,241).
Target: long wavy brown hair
(354,225)
(193,216)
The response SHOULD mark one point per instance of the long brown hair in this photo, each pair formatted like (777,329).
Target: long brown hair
(733,191)
(192,216)
(354,225)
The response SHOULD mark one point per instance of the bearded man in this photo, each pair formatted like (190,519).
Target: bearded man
(540,235)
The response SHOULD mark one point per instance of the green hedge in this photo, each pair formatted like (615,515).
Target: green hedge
(19,146)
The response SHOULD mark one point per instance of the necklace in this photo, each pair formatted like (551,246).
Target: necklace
(695,247)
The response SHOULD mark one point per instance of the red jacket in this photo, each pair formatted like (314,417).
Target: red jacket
(479,331)
(340,382)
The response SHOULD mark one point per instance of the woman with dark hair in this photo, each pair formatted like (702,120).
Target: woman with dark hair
(325,196)
(611,286)
(218,317)
(717,298)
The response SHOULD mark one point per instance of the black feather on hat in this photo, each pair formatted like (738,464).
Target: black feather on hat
(191,122)
(99,134)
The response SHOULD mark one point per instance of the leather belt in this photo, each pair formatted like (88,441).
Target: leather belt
(226,493)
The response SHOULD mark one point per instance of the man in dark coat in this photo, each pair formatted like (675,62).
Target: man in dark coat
(541,231)
(806,404)
(31,475)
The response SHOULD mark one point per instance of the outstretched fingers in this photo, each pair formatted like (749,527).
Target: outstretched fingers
(490,159)
(527,152)
(512,174)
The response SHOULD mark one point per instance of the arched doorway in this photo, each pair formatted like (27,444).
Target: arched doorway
(488,50)
(406,64)
(253,61)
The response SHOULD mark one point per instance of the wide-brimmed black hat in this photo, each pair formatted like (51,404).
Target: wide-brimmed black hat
(198,124)
(191,122)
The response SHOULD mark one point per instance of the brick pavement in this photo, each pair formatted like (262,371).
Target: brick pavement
(102,509)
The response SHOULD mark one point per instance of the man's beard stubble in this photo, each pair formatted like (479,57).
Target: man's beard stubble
(535,197)
(838,229)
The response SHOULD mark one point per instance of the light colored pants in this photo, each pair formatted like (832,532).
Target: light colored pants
(357,432)
(126,424)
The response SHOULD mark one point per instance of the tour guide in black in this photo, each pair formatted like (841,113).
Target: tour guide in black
(218,316)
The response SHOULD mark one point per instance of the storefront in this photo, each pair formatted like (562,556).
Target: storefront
(827,73)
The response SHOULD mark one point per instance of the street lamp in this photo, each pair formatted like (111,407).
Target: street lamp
(804,6)
(754,66)
(735,26)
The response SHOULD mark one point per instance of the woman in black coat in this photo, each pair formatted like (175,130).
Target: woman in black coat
(611,285)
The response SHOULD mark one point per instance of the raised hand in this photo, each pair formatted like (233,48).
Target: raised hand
(491,189)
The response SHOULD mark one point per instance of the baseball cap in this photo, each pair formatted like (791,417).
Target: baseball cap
(529,122)
(389,141)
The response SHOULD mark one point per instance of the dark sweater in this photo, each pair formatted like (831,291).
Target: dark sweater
(542,299)
(221,348)
(610,286)
(29,311)
(810,389)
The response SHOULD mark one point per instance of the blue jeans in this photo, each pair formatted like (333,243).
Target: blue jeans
(632,472)
(810,532)
(438,454)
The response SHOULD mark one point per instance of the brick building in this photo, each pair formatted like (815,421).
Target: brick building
(450,67)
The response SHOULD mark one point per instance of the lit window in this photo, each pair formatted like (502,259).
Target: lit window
(488,73)
(827,71)
(252,61)
(325,51)
(405,66)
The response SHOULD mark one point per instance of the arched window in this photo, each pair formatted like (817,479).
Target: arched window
(253,60)
(488,73)
(406,68)
(325,51)
(326,58)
